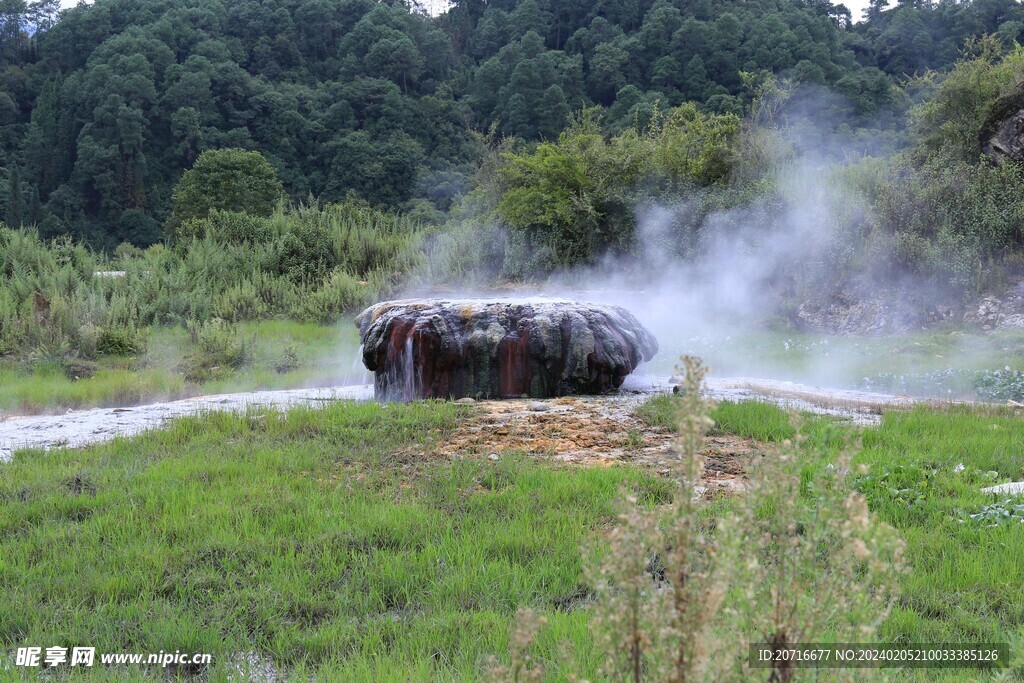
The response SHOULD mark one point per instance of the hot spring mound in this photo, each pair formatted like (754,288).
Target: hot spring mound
(498,348)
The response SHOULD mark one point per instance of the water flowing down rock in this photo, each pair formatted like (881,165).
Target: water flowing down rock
(499,348)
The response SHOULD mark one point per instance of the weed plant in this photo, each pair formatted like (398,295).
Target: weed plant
(682,588)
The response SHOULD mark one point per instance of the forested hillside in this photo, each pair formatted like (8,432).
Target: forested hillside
(102,107)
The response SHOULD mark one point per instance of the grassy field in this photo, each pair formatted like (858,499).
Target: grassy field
(284,355)
(307,541)
(926,469)
(301,537)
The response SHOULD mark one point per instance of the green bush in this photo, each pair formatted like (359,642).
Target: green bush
(88,345)
(228,180)
(219,347)
(951,221)
(304,253)
(241,301)
(289,360)
(571,202)
(338,293)
(467,250)
(122,335)
(120,340)
(946,212)
(949,120)
(233,227)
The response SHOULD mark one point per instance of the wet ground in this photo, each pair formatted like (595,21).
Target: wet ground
(84,427)
(594,429)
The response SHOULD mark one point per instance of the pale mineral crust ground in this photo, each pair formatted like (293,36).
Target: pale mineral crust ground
(594,431)
(77,428)
(84,427)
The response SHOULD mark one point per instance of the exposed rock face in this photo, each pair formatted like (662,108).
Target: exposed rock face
(497,348)
(887,312)
(899,311)
(996,313)
(1002,134)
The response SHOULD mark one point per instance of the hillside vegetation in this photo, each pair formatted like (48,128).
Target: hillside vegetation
(309,264)
(103,106)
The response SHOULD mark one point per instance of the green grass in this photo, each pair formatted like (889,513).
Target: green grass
(325,356)
(309,538)
(302,537)
(925,472)
(47,388)
(966,579)
(752,419)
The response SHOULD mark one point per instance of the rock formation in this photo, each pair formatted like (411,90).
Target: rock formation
(1002,133)
(493,348)
(992,312)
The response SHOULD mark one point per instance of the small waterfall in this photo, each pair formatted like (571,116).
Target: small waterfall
(360,375)
(398,381)
(408,372)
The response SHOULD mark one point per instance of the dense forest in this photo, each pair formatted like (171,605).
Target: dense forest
(103,106)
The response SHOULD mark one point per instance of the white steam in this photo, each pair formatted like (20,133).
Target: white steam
(744,287)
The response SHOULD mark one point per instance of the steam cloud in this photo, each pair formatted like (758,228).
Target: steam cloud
(712,282)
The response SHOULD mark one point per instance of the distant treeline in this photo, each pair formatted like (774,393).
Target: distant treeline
(102,107)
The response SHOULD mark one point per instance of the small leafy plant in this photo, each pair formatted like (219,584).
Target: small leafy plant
(1000,385)
(1001,513)
(1005,384)
(906,486)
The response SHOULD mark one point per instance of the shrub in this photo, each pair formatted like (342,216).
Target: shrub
(219,348)
(338,293)
(946,212)
(467,250)
(229,180)
(238,302)
(288,361)
(951,221)
(231,227)
(312,263)
(121,335)
(121,340)
(568,203)
(89,341)
(304,253)
(948,122)
(220,343)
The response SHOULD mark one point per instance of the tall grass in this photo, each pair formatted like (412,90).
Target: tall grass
(309,263)
(795,558)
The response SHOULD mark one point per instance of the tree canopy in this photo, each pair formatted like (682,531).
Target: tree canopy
(226,180)
(104,106)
